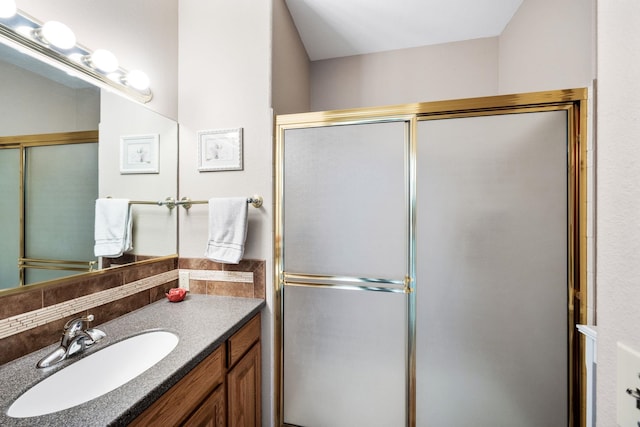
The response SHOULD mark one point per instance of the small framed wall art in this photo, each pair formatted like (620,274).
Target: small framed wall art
(220,150)
(139,154)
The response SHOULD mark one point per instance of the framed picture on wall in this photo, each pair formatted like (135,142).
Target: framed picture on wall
(220,150)
(139,154)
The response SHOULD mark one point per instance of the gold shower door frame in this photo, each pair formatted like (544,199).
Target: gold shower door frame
(573,101)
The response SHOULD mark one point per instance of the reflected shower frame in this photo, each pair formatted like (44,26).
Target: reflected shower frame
(22,143)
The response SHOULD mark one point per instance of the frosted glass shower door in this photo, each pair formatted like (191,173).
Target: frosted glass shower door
(61,186)
(344,200)
(344,234)
(345,358)
(491,282)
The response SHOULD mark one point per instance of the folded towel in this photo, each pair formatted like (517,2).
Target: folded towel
(227,229)
(113,227)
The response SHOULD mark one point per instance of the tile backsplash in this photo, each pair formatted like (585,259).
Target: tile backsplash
(246,279)
(33,319)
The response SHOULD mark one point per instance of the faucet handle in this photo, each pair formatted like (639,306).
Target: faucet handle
(74,325)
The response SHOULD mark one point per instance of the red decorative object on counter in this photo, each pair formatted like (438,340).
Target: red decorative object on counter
(176,294)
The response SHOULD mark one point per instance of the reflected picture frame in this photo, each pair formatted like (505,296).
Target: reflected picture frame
(220,150)
(139,154)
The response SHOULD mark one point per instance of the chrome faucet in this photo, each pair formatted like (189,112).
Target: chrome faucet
(75,339)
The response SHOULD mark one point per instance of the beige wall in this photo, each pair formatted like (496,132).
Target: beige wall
(618,190)
(429,73)
(549,44)
(290,64)
(225,82)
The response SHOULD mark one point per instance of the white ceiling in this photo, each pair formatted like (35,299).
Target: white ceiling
(335,28)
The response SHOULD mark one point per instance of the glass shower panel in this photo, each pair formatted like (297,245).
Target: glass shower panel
(10,217)
(344,358)
(491,283)
(344,200)
(61,187)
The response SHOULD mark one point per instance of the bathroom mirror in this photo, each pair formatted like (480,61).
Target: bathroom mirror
(60,182)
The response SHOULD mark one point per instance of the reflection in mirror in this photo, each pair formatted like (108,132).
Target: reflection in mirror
(59,151)
(48,136)
(60,184)
(124,128)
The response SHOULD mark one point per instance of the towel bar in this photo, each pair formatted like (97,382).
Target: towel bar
(169,202)
(186,202)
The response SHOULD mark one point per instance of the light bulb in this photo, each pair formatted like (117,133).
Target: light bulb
(103,60)
(7,8)
(137,80)
(57,34)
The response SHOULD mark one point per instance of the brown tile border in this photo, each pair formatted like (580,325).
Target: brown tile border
(15,304)
(80,288)
(233,283)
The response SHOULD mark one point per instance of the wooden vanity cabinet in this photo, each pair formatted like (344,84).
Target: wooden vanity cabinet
(211,412)
(223,390)
(244,376)
(184,398)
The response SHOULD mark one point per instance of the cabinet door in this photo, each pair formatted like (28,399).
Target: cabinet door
(243,383)
(211,413)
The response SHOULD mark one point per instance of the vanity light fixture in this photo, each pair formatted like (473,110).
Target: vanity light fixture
(56,34)
(55,43)
(136,79)
(102,60)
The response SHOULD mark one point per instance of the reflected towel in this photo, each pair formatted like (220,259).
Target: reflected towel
(113,227)
(227,229)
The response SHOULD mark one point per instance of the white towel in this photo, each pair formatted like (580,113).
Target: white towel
(113,227)
(227,229)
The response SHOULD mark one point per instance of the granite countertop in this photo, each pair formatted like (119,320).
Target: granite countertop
(202,324)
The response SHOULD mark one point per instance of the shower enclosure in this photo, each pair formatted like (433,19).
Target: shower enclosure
(430,263)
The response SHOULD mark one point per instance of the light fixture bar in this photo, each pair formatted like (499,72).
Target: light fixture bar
(18,33)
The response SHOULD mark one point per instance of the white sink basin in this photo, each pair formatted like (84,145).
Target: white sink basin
(95,375)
